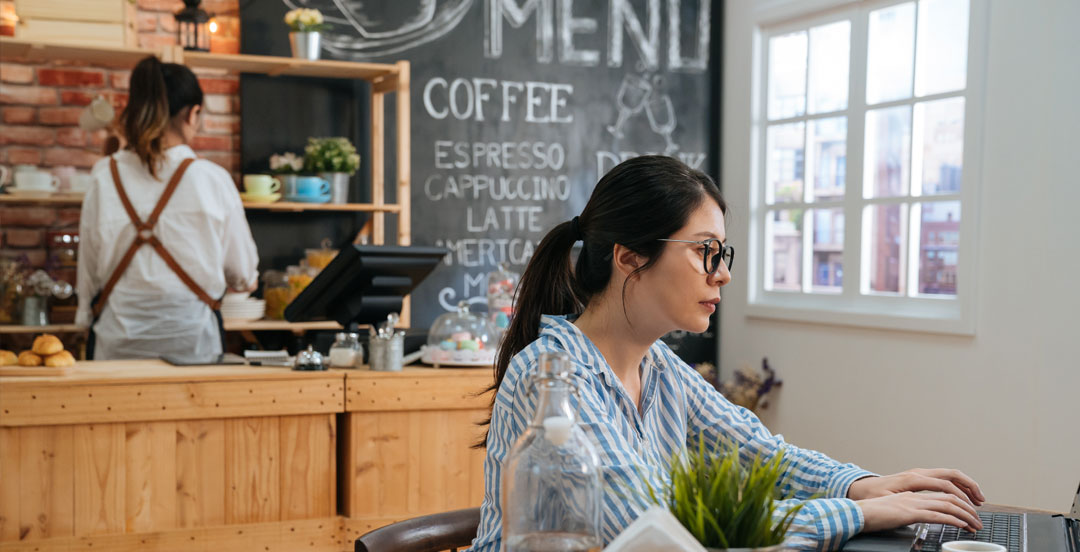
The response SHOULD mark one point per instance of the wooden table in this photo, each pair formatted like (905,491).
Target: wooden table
(140,455)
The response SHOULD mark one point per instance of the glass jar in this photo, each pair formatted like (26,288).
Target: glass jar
(319,258)
(461,338)
(276,293)
(63,249)
(299,277)
(502,284)
(346,351)
(551,487)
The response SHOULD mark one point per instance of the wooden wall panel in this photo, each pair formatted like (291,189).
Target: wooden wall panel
(405,464)
(9,484)
(150,490)
(200,473)
(46,482)
(308,458)
(252,470)
(99,478)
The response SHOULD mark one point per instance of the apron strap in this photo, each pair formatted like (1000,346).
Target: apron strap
(144,235)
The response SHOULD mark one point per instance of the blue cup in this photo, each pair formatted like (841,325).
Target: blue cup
(312,186)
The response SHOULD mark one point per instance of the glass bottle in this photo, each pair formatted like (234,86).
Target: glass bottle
(551,486)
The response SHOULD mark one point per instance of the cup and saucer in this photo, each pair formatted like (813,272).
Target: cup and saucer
(310,189)
(260,188)
(31,182)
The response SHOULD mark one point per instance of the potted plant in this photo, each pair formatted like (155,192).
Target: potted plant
(727,504)
(335,159)
(287,166)
(305,24)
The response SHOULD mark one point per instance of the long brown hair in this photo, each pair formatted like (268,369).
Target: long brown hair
(635,204)
(158,92)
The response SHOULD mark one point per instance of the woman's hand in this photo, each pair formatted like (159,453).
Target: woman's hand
(953,482)
(897,510)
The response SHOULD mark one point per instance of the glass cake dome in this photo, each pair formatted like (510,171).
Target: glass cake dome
(461,338)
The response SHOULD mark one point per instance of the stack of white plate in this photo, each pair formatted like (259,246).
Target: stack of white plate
(238,306)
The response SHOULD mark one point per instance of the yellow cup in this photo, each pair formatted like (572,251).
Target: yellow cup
(261,184)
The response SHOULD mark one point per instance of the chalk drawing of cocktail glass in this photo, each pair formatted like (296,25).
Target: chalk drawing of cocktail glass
(633,92)
(661,116)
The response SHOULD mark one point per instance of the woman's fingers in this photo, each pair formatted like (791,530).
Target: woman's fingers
(944,486)
(949,504)
(938,517)
(960,479)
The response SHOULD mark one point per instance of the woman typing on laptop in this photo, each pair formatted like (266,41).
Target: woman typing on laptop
(653,260)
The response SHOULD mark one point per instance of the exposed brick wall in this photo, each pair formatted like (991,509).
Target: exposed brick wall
(40,106)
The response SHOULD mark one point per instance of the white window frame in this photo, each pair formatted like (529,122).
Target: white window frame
(952,315)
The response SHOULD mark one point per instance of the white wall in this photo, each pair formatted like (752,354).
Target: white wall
(1004,405)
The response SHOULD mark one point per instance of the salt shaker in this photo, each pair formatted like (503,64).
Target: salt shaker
(346,351)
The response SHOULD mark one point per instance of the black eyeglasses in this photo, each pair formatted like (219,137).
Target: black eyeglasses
(713,252)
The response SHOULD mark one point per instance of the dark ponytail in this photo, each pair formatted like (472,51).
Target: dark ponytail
(157,93)
(638,202)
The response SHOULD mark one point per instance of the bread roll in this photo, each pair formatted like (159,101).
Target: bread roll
(47,344)
(28,358)
(8,358)
(60,360)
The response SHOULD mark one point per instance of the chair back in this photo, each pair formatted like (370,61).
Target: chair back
(433,533)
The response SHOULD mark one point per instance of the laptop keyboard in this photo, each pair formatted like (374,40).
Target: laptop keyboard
(1003,529)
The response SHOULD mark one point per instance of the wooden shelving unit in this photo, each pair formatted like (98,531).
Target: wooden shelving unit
(279,325)
(51,328)
(347,207)
(76,199)
(51,199)
(385,78)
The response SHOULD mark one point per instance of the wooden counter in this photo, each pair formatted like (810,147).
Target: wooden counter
(407,444)
(140,455)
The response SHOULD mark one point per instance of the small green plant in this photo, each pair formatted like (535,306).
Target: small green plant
(724,503)
(331,155)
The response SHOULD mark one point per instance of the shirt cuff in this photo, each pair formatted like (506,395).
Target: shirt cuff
(836,521)
(841,481)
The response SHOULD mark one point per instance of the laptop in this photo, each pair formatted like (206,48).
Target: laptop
(1016,532)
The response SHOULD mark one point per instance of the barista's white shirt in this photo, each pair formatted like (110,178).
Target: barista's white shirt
(150,311)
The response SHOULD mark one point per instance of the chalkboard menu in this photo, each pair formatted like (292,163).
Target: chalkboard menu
(518,107)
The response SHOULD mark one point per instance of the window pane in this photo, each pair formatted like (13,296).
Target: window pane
(940,127)
(939,246)
(941,62)
(828,157)
(828,263)
(829,46)
(888,152)
(787,75)
(890,53)
(784,173)
(783,266)
(883,248)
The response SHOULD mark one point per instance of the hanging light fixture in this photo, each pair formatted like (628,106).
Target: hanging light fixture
(193,27)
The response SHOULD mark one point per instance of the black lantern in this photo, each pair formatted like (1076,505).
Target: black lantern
(193,27)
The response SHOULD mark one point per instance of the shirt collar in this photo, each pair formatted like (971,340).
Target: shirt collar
(581,349)
(179,152)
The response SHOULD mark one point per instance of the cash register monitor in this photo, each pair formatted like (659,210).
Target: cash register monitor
(364,283)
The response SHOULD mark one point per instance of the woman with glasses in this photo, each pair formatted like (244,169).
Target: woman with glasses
(653,259)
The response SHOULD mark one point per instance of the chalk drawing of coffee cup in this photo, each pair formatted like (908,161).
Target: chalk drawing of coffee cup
(361,29)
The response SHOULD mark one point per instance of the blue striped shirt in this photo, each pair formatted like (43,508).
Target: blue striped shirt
(677,404)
